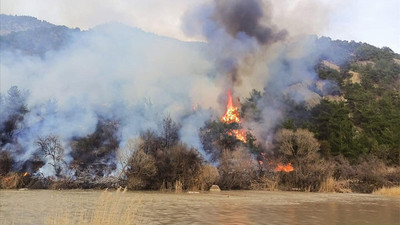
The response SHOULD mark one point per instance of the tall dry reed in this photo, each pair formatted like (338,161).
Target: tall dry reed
(392,191)
(112,208)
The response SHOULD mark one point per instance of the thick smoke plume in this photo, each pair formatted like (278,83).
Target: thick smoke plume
(237,32)
(251,52)
(240,16)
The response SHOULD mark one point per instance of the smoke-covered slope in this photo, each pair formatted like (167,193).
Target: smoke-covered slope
(99,88)
(110,73)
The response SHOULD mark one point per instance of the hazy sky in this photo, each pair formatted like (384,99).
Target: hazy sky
(375,22)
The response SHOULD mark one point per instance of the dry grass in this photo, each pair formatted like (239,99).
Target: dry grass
(365,63)
(392,191)
(13,181)
(178,186)
(355,77)
(331,65)
(333,185)
(267,184)
(110,210)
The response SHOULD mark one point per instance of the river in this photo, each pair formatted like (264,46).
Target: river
(35,207)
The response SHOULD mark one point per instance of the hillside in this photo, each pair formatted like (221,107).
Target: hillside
(117,105)
(363,116)
(10,24)
(31,36)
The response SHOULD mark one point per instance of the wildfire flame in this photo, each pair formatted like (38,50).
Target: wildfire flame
(232,116)
(240,135)
(288,168)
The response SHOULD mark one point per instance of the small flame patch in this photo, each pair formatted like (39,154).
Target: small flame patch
(288,168)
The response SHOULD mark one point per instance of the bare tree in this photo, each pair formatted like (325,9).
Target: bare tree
(124,154)
(297,144)
(51,147)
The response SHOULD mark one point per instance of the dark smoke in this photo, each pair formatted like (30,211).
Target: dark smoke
(251,52)
(238,33)
(245,16)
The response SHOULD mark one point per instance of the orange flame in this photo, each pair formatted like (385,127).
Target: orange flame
(288,168)
(26,173)
(232,116)
(240,135)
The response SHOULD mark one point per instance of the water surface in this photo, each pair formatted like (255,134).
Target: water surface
(230,207)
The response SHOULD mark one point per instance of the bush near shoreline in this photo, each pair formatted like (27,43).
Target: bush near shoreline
(341,177)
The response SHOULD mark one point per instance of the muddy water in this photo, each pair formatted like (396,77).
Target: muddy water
(234,207)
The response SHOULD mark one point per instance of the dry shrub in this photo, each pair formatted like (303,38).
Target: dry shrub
(300,148)
(297,144)
(392,191)
(342,170)
(63,183)
(177,163)
(15,181)
(37,183)
(237,169)
(184,164)
(265,183)
(178,186)
(393,175)
(142,167)
(332,185)
(307,176)
(173,161)
(209,175)
(370,174)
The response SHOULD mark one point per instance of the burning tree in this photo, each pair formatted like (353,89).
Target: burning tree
(215,137)
(51,148)
(226,134)
(232,116)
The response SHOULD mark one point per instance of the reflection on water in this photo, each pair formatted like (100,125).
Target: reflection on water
(233,207)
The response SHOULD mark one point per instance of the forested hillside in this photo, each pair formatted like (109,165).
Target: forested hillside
(364,116)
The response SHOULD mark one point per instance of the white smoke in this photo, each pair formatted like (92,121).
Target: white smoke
(114,72)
